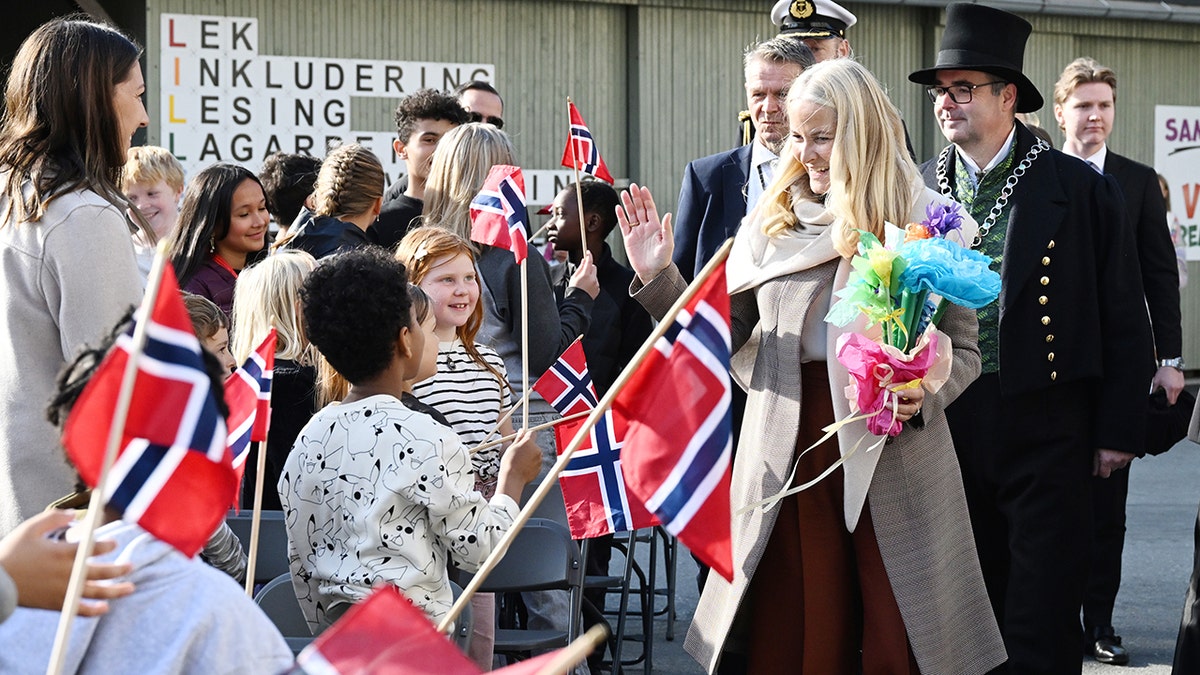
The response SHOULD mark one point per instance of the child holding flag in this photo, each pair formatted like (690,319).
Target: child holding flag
(183,615)
(375,491)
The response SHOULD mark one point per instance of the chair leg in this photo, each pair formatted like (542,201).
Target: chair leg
(670,558)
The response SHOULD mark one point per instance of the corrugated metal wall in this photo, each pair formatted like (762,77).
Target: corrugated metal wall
(660,81)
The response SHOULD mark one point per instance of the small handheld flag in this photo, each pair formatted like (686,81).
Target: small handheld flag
(498,216)
(581,152)
(248,395)
(592,485)
(174,474)
(678,448)
(567,384)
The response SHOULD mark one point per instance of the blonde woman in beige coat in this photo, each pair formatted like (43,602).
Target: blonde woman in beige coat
(874,568)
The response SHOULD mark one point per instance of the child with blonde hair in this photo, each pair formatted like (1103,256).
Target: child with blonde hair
(268,294)
(152,180)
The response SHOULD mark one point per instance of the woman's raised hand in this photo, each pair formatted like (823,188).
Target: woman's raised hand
(649,243)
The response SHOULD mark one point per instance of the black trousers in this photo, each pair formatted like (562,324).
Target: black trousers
(1027,465)
(1108,545)
(1187,645)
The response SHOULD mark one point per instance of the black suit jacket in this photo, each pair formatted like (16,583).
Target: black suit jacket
(712,203)
(1156,254)
(1071,299)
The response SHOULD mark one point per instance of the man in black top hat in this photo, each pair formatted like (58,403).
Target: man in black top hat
(1065,348)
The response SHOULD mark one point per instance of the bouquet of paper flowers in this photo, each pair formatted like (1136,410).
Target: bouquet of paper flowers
(904,291)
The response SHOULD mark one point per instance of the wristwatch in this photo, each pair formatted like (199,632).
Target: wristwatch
(1176,363)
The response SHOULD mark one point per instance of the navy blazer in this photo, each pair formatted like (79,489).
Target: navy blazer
(1156,254)
(712,203)
(1071,301)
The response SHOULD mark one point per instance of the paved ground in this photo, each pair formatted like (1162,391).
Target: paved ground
(1164,492)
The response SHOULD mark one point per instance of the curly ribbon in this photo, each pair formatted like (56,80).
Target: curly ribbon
(770,502)
(936,374)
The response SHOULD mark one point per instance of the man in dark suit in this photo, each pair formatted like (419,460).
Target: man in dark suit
(1065,348)
(1085,100)
(721,189)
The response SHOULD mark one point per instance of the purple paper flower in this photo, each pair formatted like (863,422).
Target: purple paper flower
(943,218)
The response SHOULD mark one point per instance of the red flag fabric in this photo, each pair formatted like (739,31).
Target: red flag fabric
(248,396)
(174,474)
(498,214)
(581,152)
(386,635)
(567,384)
(677,450)
(593,486)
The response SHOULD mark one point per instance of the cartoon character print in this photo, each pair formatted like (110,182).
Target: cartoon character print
(398,531)
(353,422)
(410,457)
(329,555)
(355,496)
(319,460)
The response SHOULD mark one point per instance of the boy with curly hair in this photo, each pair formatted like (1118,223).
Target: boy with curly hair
(373,490)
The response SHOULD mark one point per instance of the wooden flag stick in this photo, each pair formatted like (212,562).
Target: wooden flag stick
(578,191)
(504,418)
(256,515)
(573,654)
(116,433)
(544,425)
(547,483)
(525,341)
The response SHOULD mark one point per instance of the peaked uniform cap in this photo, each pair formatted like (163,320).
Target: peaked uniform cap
(812,18)
(989,40)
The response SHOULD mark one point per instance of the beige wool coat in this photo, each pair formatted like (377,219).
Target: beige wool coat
(915,493)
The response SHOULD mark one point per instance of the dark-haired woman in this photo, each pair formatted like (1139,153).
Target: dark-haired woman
(73,103)
(222,229)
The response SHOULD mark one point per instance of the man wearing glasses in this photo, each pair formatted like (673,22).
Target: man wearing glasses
(482,102)
(1065,349)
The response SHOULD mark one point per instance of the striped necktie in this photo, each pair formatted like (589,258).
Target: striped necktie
(766,172)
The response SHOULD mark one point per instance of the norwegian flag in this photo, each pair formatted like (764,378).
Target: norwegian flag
(567,385)
(174,474)
(248,395)
(581,152)
(386,635)
(498,216)
(677,451)
(592,485)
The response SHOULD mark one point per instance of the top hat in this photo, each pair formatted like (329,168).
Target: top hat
(989,40)
(811,18)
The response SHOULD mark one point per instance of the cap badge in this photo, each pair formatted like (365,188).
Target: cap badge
(801,9)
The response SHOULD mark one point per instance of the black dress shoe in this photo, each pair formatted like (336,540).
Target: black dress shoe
(1108,649)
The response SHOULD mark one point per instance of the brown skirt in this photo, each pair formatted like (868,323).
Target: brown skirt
(820,600)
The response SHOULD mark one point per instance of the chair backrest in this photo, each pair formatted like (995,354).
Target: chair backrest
(542,557)
(278,601)
(272,542)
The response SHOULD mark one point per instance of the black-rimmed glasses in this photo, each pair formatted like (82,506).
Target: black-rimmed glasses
(959,93)
(494,121)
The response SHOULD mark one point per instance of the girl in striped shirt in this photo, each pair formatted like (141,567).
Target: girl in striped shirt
(471,386)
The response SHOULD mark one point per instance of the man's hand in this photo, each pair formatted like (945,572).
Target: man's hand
(1108,461)
(1170,380)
